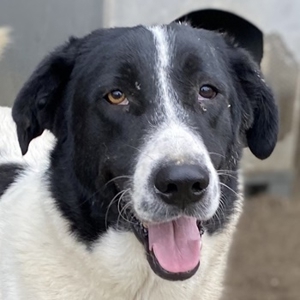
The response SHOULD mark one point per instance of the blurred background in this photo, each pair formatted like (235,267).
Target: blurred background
(265,259)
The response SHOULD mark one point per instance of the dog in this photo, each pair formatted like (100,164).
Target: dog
(136,192)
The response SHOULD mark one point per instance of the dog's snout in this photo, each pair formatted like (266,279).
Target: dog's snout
(181,185)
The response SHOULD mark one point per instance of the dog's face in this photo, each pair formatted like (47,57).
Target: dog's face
(150,124)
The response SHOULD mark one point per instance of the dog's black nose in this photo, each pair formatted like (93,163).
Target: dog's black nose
(181,185)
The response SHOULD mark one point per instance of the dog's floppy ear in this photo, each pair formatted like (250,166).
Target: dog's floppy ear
(259,110)
(37,103)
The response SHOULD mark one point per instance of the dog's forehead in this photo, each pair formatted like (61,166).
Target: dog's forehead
(181,42)
(152,58)
(143,44)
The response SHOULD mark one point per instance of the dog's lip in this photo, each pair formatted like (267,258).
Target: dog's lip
(161,272)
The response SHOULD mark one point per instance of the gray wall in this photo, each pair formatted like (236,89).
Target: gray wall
(271,16)
(39,26)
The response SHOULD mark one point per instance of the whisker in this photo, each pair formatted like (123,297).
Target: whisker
(228,171)
(229,175)
(225,185)
(89,198)
(220,212)
(124,217)
(118,177)
(214,153)
(110,204)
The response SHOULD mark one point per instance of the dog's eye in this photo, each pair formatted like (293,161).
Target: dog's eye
(117,97)
(207,92)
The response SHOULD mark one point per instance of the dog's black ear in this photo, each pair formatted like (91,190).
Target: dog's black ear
(37,103)
(259,110)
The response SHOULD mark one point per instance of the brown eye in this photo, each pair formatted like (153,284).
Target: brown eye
(207,92)
(117,97)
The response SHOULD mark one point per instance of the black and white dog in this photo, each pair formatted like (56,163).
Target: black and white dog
(140,196)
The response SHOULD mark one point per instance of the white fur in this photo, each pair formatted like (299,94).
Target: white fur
(39,148)
(163,43)
(173,141)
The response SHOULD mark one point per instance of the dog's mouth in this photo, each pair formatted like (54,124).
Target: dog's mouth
(173,248)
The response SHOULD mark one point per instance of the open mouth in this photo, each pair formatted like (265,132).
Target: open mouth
(173,248)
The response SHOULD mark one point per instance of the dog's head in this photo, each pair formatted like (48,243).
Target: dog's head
(150,125)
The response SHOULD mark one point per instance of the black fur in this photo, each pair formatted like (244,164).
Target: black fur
(98,141)
(40,110)
(8,174)
(244,33)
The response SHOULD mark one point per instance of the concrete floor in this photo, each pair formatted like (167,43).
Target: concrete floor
(265,260)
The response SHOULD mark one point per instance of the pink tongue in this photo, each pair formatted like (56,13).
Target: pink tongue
(176,244)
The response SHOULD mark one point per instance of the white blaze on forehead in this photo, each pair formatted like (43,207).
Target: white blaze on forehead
(171,140)
(166,95)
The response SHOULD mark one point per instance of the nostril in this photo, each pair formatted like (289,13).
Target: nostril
(196,187)
(200,185)
(166,187)
(171,188)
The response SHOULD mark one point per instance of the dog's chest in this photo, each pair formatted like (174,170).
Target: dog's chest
(40,259)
